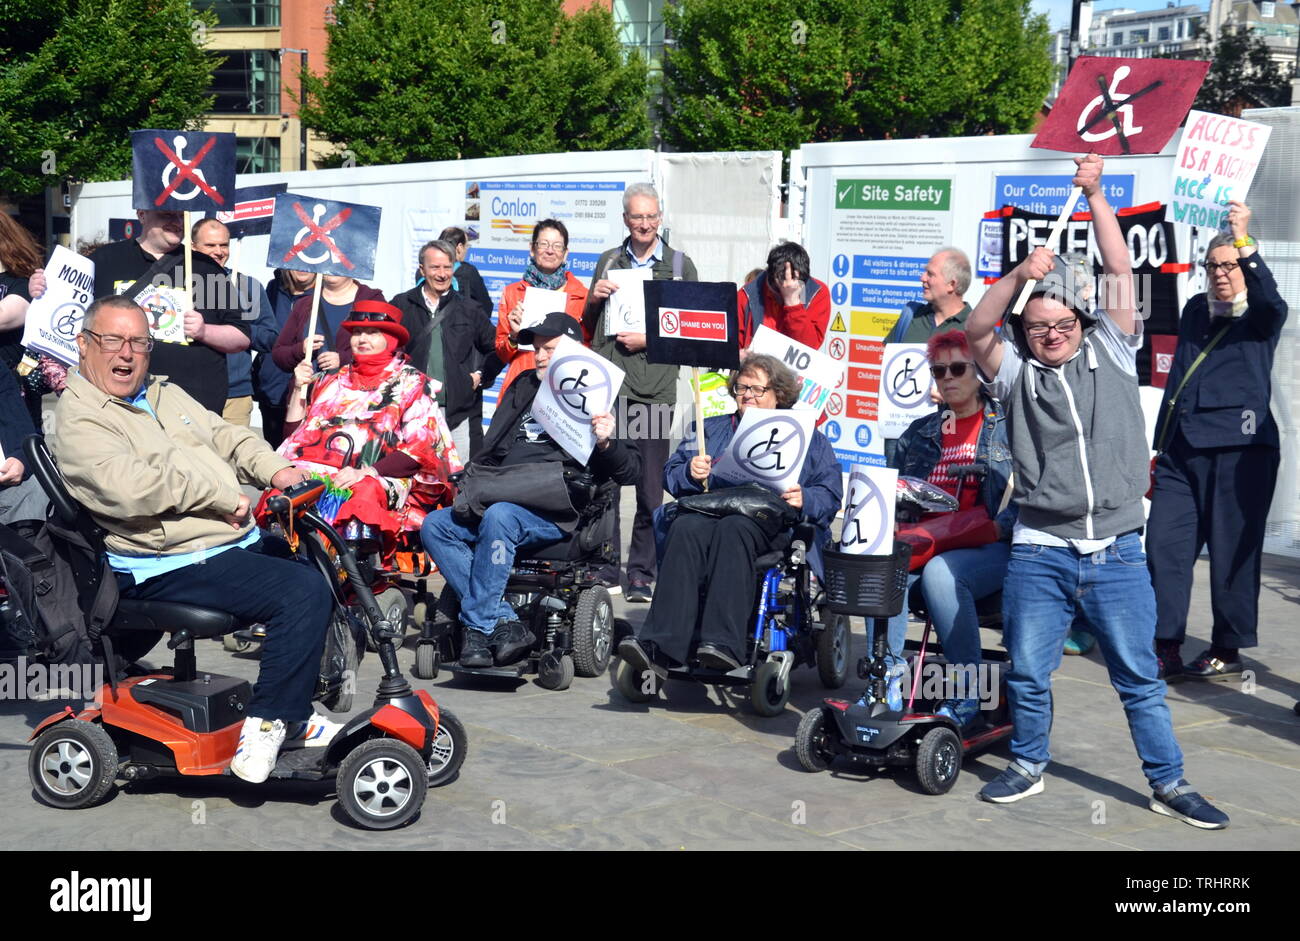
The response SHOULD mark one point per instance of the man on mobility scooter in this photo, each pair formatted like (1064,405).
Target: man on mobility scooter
(1068,379)
(475,553)
(158,472)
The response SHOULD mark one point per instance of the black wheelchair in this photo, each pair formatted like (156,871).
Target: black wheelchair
(555,590)
(792,626)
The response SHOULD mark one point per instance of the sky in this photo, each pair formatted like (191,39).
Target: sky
(1059,10)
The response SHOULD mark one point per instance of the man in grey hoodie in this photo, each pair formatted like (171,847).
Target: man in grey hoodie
(1068,380)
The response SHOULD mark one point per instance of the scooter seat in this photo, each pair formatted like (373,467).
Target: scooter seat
(169,617)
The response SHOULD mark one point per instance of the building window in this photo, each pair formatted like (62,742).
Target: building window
(640,25)
(1182,28)
(1118,39)
(1139,35)
(257,154)
(1164,33)
(1267,9)
(248,82)
(245,13)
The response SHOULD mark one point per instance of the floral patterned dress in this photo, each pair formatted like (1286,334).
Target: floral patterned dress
(350,423)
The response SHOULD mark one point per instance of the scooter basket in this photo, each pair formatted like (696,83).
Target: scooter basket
(869,586)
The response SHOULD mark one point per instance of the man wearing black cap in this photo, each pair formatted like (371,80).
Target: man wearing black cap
(475,558)
(1068,379)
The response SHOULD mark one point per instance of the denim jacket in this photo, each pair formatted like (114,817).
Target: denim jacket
(921,446)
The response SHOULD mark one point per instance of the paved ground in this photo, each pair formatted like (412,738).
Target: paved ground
(584,769)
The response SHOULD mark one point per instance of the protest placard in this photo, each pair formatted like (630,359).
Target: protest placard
(578,384)
(54,318)
(819,373)
(251,211)
(625,309)
(182,171)
(1216,162)
(905,384)
(165,307)
(869,511)
(323,236)
(692,323)
(768,447)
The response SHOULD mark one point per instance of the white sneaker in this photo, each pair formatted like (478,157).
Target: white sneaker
(312,733)
(259,746)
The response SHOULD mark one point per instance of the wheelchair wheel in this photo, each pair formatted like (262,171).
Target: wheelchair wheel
(73,764)
(234,644)
(762,692)
(426,661)
(382,784)
(395,610)
(339,665)
(812,742)
(833,644)
(938,760)
(633,685)
(593,632)
(555,672)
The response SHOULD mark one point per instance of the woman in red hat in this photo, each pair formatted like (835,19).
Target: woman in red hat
(374,428)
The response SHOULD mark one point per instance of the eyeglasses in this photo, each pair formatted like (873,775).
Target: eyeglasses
(756,391)
(1040,330)
(643,217)
(112,343)
(1227,267)
(941,370)
(551,246)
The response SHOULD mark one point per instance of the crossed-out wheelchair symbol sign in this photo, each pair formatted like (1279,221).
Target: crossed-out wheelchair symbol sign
(864,524)
(1116,110)
(178,170)
(902,381)
(572,388)
(765,449)
(66,319)
(313,231)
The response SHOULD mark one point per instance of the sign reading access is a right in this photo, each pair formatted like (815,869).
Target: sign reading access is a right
(1216,162)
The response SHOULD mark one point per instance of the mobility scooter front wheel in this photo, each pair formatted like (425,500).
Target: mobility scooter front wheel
(938,760)
(73,764)
(382,784)
(812,741)
(449,748)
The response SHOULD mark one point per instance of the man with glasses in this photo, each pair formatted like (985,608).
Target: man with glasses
(214,324)
(162,476)
(1068,380)
(649,390)
(1219,451)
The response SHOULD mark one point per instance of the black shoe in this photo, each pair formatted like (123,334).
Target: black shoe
(1169,662)
(1208,666)
(474,651)
(641,655)
(718,658)
(638,592)
(511,640)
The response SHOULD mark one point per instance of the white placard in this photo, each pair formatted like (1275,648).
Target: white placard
(1216,162)
(54,318)
(578,384)
(625,308)
(905,384)
(768,448)
(537,303)
(869,511)
(820,373)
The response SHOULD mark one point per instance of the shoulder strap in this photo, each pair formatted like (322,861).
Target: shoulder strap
(163,263)
(1173,401)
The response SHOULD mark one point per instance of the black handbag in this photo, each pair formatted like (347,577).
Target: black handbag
(772,514)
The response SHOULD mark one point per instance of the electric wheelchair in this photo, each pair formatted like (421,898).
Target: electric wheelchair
(792,626)
(555,590)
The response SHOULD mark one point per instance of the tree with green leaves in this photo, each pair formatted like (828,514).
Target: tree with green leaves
(77,76)
(411,80)
(1242,72)
(772,74)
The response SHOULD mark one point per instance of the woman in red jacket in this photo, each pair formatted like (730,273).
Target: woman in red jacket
(548,269)
(787,298)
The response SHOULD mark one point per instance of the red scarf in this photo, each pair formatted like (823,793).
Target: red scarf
(368,368)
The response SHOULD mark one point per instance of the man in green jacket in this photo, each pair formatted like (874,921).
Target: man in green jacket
(645,408)
(161,475)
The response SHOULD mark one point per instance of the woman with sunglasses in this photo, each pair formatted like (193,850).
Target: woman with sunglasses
(968,428)
(374,428)
(709,562)
(547,268)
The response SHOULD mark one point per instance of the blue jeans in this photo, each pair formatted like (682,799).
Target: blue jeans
(476,560)
(951,583)
(1046,587)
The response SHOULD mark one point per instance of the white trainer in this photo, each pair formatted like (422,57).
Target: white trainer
(259,746)
(315,732)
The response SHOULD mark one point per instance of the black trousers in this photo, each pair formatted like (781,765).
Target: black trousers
(708,580)
(642,421)
(1218,498)
(272,422)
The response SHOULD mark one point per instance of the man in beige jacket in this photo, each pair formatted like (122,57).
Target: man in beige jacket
(162,474)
